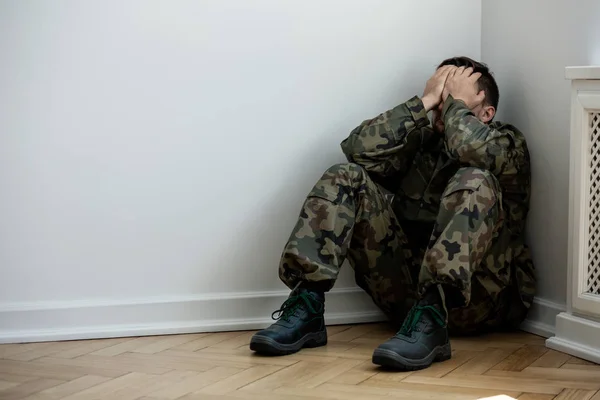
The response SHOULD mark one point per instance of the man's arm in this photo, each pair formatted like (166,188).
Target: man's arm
(474,143)
(385,146)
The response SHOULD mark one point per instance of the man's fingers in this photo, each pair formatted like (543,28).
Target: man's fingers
(475,77)
(443,70)
(447,72)
(452,73)
(480,97)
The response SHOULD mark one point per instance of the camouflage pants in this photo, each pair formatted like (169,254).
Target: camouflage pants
(347,216)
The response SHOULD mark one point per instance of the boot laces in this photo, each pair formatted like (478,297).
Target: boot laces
(414,316)
(289,307)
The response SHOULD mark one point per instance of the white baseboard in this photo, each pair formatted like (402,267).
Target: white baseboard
(542,317)
(51,321)
(577,336)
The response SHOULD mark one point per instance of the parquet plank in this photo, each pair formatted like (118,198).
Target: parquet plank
(333,329)
(480,364)
(142,388)
(436,391)
(552,359)
(342,351)
(385,375)
(126,346)
(7,385)
(365,342)
(52,348)
(356,375)
(166,343)
(68,388)
(243,339)
(16,378)
(243,378)
(574,394)
(514,337)
(576,360)
(243,352)
(482,345)
(337,391)
(583,367)
(193,383)
(502,383)
(280,378)
(352,333)
(25,389)
(535,396)
(519,376)
(207,340)
(9,350)
(562,374)
(323,373)
(165,362)
(105,390)
(246,360)
(314,358)
(379,334)
(60,372)
(89,346)
(521,359)
(92,362)
(438,370)
(345,392)
(240,395)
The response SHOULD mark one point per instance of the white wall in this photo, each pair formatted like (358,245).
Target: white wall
(528,45)
(155,150)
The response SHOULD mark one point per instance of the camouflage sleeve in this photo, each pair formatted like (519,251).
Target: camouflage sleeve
(386,145)
(476,144)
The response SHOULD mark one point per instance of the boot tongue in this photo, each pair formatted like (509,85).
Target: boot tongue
(434,297)
(429,311)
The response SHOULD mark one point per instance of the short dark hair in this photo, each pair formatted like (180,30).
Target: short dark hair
(487,83)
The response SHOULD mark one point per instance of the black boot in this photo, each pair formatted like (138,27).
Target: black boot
(300,323)
(422,339)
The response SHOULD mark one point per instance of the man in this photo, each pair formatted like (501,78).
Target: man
(446,255)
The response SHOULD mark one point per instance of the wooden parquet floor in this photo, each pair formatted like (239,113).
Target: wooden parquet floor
(220,366)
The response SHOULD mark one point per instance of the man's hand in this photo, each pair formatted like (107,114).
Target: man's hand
(432,95)
(462,85)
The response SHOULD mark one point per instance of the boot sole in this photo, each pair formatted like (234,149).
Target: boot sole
(267,346)
(389,359)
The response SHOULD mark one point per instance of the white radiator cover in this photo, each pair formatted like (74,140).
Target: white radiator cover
(578,328)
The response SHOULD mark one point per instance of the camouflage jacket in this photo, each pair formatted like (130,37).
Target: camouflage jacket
(402,153)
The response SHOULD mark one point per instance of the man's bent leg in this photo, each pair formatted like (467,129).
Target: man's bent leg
(468,226)
(469,220)
(345,215)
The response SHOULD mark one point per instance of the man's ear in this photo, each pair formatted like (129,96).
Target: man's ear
(487,113)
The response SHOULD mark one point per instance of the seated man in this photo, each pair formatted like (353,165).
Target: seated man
(446,255)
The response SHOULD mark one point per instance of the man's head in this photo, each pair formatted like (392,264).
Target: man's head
(485,111)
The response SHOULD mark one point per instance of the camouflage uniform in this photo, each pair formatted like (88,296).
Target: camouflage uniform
(414,208)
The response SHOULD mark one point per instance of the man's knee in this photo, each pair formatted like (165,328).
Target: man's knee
(480,185)
(343,175)
(345,170)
